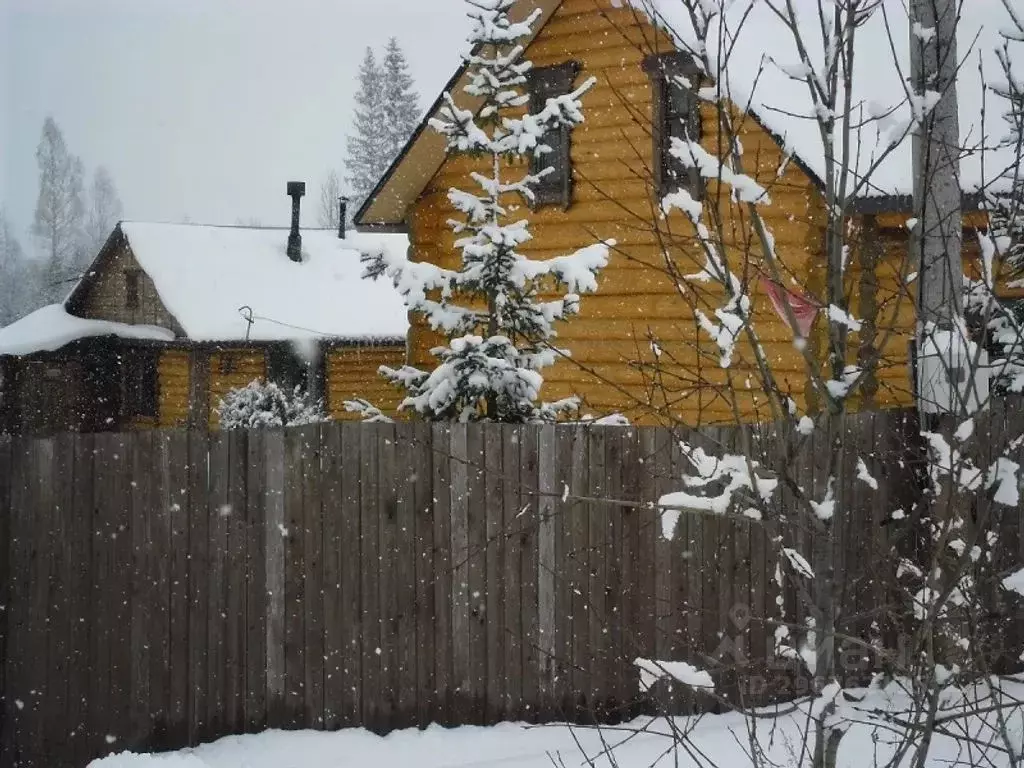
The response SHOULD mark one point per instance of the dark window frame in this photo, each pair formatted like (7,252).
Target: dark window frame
(676,110)
(132,288)
(547,83)
(141,382)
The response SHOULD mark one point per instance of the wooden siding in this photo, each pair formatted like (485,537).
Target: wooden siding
(612,154)
(174,370)
(351,372)
(107,296)
(232,369)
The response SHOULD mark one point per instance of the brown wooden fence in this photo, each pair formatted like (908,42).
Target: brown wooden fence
(161,589)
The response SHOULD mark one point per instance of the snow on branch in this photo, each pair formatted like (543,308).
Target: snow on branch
(717,483)
(652,671)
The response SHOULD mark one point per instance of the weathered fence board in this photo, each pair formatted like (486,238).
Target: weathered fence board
(162,589)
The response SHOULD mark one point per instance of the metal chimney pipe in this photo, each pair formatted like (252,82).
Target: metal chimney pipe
(296,191)
(342,216)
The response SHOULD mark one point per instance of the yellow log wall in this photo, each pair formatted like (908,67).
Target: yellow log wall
(351,373)
(173,370)
(611,156)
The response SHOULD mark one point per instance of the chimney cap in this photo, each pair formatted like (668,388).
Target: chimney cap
(296,188)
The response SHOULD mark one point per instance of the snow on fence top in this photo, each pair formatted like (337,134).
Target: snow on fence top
(51,327)
(205,274)
(764,51)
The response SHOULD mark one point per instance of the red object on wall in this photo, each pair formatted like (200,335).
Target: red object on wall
(805,310)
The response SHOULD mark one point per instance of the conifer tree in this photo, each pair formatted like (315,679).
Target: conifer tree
(59,216)
(367,145)
(401,103)
(501,331)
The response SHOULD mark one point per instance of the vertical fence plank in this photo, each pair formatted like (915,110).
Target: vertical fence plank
(336,677)
(444,583)
(513,572)
(198,584)
(218,512)
(423,574)
(312,532)
(35,695)
(235,564)
(275,536)
(121,594)
(387,597)
(597,651)
(254,586)
(370,579)
(476,525)
(177,457)
(349,547)
(579,569)
(495,603)
(565,575)
(56,729)
(547,528)
(294,582)
(7,555)
(139,455)
(614,586)
(80,570)
(528,517)
(405,636)
(460,637)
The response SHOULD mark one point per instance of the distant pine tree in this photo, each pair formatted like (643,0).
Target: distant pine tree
(367,145)
(401,102)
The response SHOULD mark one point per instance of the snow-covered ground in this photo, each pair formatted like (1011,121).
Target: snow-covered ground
(713,740)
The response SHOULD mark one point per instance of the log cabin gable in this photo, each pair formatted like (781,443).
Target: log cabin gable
(116,288)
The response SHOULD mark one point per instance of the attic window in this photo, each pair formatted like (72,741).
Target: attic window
(556,186)
(131,288)
(674,78)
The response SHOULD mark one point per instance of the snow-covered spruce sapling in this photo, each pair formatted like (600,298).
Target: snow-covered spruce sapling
(492,308)
(264,404)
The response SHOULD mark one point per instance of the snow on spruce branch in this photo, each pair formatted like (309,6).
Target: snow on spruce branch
(501,331)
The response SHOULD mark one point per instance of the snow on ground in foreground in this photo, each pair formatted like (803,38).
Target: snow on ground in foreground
(720,740)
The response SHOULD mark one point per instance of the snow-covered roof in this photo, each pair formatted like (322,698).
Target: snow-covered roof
(762,50)
(51,327)
(205,275)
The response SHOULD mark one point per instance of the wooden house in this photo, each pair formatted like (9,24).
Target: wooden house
(610,175)
(170,317)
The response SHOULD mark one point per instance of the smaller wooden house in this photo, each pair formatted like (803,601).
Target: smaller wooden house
(170,317)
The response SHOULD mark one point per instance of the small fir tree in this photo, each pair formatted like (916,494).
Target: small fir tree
(367,145)
(401,103)
(265,405)
(491,308)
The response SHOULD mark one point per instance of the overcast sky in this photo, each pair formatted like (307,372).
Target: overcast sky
(201,108)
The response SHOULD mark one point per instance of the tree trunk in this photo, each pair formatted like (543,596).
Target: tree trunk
(936,240)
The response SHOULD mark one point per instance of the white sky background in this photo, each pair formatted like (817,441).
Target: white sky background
(202,108)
